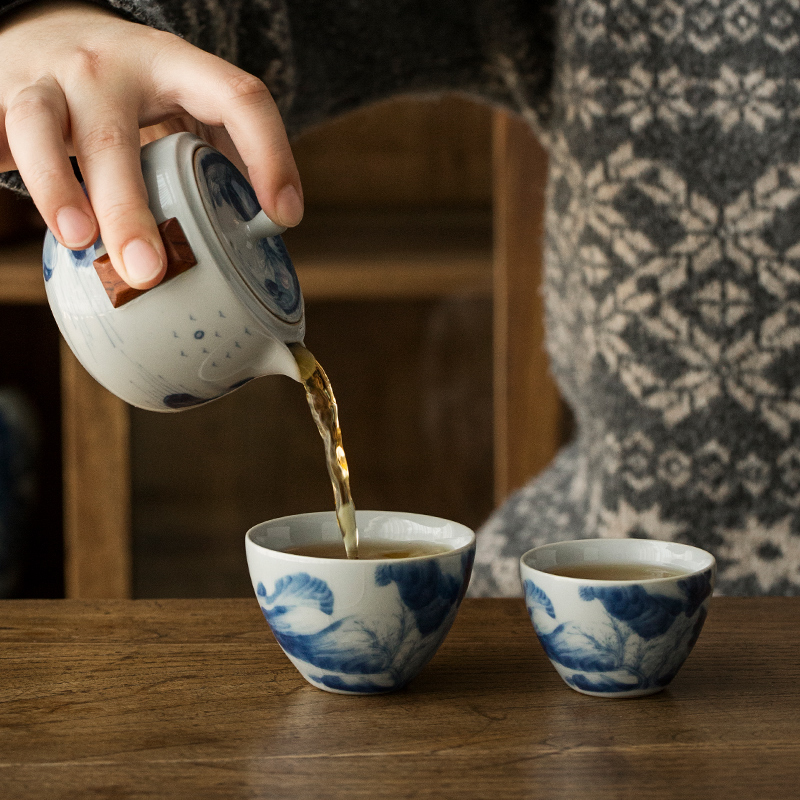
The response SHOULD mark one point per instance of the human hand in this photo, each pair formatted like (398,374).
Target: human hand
(76,79)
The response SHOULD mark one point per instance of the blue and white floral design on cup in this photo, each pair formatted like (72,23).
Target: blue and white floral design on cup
(366,626)
(617,638)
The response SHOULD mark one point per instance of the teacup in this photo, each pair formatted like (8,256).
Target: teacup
(361,626)
(617,638)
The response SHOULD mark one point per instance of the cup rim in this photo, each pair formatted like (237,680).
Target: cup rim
(331,515)
(710,564)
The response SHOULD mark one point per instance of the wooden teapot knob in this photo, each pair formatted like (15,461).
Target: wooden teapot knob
(179,258)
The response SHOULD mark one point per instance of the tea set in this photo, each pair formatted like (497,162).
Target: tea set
(226,312)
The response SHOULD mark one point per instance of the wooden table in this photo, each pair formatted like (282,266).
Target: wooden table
(193,699)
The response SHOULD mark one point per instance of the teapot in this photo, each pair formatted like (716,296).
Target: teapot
(226,311)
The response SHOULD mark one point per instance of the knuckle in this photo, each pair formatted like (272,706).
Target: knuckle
(87,62)
(276,160)
(163,40)
(43,174)
(163,48)
(27,105)
(121,215)
(245,89)
(281,151)
(103,138)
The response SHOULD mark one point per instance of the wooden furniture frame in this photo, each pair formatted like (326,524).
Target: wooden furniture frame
(528,411)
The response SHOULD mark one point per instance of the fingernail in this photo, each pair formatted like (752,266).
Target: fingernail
(75,227)
(289,206)
(141,260)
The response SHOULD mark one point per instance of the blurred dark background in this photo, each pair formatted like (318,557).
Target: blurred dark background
(401,192)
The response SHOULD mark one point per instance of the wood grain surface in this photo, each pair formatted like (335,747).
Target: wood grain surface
(411,151)
(376,254)
(528,410)
(97,485)
(194,699)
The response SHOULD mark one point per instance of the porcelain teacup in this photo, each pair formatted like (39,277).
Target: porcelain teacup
(617,638)
(359,626)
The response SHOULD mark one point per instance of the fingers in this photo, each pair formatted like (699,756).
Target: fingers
(94,106)
(106,141)
(217,93)
(35,123)
(107,146)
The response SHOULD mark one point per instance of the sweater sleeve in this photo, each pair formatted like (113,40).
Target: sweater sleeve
(322,58)
(349,54)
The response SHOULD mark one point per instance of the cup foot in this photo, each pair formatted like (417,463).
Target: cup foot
(354,686)
(619,695)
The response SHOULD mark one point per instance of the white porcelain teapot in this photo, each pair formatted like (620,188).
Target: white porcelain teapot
(226,310)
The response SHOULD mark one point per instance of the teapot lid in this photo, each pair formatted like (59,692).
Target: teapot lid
(220,217)
(249,238)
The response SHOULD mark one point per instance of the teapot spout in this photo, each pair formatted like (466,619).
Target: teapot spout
(278,360)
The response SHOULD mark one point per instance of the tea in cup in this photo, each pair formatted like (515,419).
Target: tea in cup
(365,625)
(617,617)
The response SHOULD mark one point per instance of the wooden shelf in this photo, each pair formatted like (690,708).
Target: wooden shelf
(386,255)
(345,256)
(21,279)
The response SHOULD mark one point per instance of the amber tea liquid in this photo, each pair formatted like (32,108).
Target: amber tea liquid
(624,571)
(326,416)
(371,548)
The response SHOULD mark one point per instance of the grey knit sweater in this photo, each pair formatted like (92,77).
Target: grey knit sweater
(673,244)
